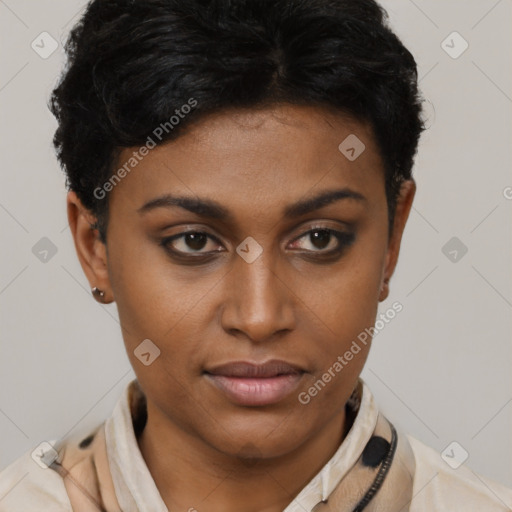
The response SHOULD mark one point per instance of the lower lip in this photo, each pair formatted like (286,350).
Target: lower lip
(256,391)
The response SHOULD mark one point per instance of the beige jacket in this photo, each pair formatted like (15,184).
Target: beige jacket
(375,469)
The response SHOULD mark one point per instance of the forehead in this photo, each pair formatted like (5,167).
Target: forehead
(268,156)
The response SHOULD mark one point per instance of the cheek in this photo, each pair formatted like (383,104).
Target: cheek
(346,299)
(354,307)
(341,309)
(342,342)
(152,301)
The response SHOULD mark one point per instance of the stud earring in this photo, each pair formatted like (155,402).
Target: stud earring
(98,294)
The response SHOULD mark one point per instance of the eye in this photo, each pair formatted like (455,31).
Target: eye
(193,240)
(198,244)
(325,241)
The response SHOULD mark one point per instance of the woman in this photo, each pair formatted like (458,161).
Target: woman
(239,180)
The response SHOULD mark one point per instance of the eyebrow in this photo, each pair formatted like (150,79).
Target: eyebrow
(209,208)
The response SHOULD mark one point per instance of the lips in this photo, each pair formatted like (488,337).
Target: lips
(272,368)
(253,384)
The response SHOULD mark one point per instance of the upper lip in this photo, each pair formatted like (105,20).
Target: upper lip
(270,368)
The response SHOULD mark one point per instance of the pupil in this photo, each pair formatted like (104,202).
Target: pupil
(196,241)
(320,236)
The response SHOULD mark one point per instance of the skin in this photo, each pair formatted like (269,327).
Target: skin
(204,451)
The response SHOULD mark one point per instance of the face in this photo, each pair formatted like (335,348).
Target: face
(259,272)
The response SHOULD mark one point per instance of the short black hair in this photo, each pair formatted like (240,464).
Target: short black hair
(134,64)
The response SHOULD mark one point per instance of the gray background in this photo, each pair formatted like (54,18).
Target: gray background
(441,370)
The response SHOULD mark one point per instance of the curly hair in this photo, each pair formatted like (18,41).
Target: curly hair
(132,63)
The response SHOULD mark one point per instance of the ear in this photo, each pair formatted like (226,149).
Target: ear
(91,252)
(403,207)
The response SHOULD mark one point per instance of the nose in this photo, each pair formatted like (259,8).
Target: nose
(258,301)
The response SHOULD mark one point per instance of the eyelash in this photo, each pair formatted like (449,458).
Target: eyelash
(345,239)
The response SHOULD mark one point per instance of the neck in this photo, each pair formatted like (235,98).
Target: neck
(192,475)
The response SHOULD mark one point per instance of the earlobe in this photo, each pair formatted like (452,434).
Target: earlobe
(403,208)
(384,290)
(90,250)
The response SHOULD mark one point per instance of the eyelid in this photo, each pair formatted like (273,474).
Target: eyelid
(328,224)
(324,224)
(302,230)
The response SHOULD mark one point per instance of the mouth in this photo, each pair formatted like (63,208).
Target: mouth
(253,384)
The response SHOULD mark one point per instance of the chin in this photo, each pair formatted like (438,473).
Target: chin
(255,442)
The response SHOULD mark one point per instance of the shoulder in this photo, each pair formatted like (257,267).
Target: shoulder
(26,486)
(440,486)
